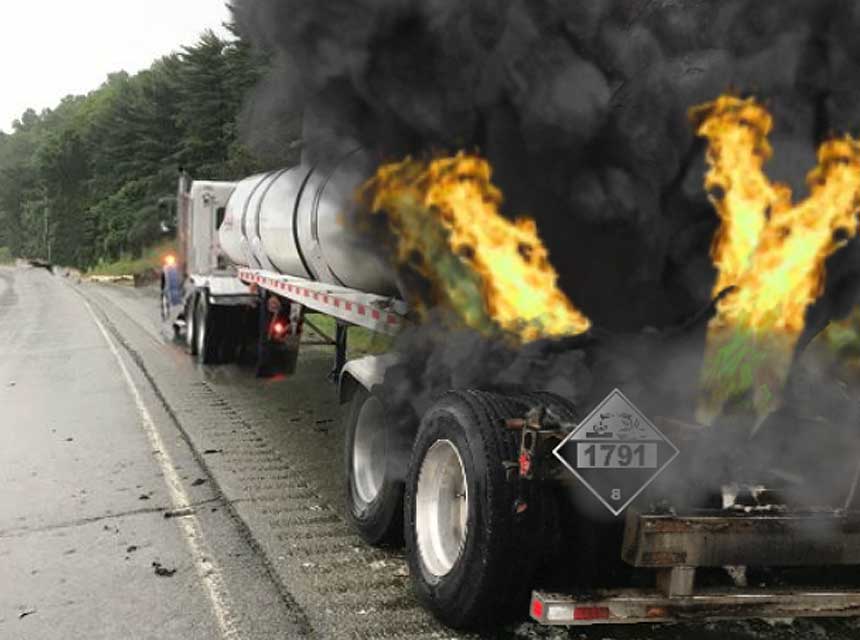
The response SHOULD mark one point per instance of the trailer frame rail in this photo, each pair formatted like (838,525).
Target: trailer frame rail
(377,313)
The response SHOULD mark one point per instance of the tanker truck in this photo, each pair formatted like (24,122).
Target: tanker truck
(502,503)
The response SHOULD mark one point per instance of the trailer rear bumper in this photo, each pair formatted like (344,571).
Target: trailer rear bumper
(675,546)
(630,607)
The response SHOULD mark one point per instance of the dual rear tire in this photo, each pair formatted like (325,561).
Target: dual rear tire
(204,329)
(472,555)
(374,488)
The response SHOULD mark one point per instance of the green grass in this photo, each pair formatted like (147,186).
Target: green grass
(361,341)
(151,259)
(6,256)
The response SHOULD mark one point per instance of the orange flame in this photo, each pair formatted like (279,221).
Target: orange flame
(494,273)
(771,250)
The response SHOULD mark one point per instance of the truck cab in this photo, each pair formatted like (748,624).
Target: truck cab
(203,209)
(201,264)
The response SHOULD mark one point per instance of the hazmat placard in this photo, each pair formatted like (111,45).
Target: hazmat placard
(616,452)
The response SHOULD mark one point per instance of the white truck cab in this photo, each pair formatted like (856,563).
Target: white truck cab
(201,268)
(204,207)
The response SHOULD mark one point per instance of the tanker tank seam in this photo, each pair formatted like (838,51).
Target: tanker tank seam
(259,213)
(295,229)
(315,234)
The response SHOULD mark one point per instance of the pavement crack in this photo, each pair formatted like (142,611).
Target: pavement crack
(19,532)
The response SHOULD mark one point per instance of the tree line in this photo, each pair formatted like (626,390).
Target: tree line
(93,179)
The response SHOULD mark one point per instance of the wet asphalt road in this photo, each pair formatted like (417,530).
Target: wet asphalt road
(77,457)
(84,494)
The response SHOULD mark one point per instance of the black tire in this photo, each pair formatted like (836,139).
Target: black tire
(190,333)
(492,576)
(374,495)
(208,330)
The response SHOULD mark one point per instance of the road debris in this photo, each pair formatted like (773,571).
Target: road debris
(25,613)
(321,426)
(124,278)
(209,452)
(184,512)
(162,571)
(198,482)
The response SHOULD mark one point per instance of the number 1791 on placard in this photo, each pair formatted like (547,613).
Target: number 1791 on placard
(612,455)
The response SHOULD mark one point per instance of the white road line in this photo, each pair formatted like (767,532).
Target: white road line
(207,569)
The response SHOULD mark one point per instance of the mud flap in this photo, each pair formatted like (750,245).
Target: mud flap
(280,335)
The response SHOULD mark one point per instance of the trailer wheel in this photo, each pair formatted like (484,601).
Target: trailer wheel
(472,555)
(374,495)
(207,330)
(190,317)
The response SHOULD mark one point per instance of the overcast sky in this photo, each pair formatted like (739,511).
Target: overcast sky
(52,48)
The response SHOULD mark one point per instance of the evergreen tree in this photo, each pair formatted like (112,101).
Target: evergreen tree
(82,181)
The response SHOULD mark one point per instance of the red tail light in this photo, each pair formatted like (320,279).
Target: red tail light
(590,613)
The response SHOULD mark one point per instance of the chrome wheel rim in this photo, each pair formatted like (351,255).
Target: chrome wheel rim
(368,451)
(200,327)
(441,508)
(189,325)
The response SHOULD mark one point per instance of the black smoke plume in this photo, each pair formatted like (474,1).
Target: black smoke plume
(582,109)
